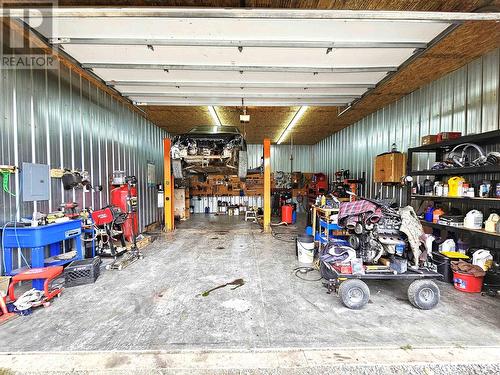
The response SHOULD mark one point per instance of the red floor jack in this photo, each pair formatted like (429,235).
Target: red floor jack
(133,254)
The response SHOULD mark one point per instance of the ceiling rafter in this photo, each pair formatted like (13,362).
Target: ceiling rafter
(194,84)
(238,43)
(241,68)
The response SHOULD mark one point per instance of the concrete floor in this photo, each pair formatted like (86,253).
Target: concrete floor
(156,304)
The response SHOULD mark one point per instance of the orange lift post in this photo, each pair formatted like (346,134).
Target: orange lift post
(168,187)
(267,185)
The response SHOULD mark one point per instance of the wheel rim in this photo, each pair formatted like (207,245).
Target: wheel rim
(355,295)
(426,295)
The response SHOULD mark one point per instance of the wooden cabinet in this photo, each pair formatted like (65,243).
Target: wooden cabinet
(390,167)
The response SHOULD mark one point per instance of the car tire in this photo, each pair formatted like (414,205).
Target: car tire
(424,294)
(177,168)
(242,164)
(354,293)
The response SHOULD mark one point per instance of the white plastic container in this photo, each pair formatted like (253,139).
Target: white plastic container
(482,258)
(447,246)
(305,249)
(473,219)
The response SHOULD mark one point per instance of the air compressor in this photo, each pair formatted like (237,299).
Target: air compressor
(124,196)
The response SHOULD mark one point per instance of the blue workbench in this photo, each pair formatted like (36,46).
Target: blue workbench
(37,239)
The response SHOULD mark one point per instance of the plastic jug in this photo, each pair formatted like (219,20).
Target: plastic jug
(491,223)
(473,219)
(482,258)
(447,246)
(436,214)
(429,214)
(455,186)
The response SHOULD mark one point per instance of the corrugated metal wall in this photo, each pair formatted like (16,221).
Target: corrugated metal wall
(303,157)
(465,100)
(55,117)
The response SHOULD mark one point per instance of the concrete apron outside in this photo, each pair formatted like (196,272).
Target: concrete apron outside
(292,359)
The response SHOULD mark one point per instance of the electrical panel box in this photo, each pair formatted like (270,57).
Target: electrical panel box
(35,182)
(389,168)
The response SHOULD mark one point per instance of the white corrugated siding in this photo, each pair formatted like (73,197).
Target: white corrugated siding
(62,120)
(465,100)
(303,157)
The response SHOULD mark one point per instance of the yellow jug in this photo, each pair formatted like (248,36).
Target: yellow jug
(455,186)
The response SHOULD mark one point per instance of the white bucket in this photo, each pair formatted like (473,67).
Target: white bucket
(305,249)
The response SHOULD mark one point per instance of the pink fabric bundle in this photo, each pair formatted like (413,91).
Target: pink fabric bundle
(352,212)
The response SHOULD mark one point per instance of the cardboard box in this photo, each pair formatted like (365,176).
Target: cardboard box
(445,136)
(428,139)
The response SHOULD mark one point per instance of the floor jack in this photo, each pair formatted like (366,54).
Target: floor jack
(133,254)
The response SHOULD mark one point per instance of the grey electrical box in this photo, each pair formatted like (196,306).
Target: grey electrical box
(35,182)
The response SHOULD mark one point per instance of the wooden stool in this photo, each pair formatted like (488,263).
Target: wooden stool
(47,273)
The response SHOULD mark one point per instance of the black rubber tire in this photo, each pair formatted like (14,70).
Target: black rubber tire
(424,294)
(354,293)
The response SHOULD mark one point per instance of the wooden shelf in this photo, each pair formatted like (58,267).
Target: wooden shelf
(457,171)
(463,199)
(480,232)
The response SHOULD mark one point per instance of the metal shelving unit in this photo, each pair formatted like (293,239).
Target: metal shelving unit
(456,171)
(456,199)
(440,149)
(480,232)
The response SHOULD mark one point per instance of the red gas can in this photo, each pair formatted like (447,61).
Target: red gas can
(287,213)
(119,198)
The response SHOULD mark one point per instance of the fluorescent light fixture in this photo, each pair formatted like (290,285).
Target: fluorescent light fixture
(292,123)
(211,109)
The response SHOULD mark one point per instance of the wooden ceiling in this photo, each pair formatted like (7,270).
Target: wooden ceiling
(266,122)
(465,43)
(411,5)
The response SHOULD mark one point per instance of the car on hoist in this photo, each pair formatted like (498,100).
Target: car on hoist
(208,150)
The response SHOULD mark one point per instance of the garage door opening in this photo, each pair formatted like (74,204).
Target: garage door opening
(219,190)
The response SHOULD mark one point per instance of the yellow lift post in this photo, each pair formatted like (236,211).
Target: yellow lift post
(168,187)
(267,185)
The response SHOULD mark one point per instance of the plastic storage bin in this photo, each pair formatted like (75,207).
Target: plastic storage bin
(467,283)
(443,264)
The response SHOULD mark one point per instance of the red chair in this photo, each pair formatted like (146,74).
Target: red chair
(47,273)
